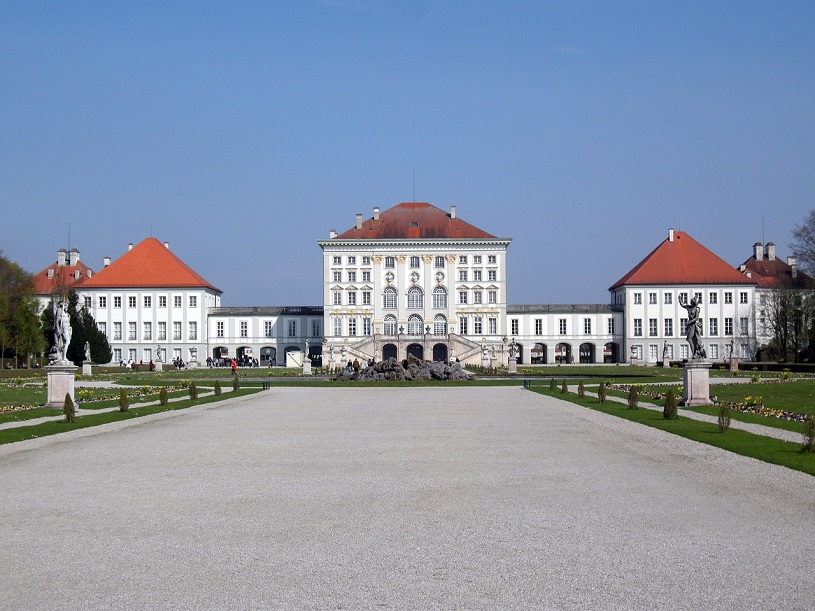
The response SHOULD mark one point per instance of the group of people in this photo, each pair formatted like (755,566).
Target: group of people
(244,361)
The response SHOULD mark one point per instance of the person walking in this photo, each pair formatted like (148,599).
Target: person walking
(234,367)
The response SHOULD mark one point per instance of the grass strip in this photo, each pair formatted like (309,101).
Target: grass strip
(767,449)
(55,427)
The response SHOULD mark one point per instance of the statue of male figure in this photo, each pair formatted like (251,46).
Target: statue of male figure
(62,331)
(694,332)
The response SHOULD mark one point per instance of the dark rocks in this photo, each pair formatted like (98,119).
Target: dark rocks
(409,369)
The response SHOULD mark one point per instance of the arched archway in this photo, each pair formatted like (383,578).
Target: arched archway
(219,353)
(244,355)
(563,353)
(586,352)
(389,351)
(290,362)
(268,356)
(416,350)
(611,353)
(315,354)
(440,352)
(537,355)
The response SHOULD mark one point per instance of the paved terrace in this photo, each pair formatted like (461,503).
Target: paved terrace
(378,498)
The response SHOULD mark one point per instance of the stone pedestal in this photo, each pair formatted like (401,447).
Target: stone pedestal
(158,366)
(513,365)
(307,367)
(87,368)
(493,363)
(60,382)
(734,363)
(192,365)
(666,363)
(696,383)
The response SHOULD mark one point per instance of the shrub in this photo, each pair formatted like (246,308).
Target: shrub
(809,434)
(581,390)
(124,402)
(68,408)
(669,411)
(235,384)
(633,397)
(162,396)
(601,392)
(193,390)
(724,418)
(563,388)
(552,384)
(217,387)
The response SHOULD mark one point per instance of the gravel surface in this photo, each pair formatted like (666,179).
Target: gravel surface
(400,498)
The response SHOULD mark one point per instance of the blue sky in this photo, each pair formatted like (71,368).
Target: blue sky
(241,132)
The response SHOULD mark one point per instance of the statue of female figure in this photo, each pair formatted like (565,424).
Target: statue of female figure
(694,329)
(62,331)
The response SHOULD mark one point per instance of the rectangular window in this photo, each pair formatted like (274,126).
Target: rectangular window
(366,260)
(538,326)
(638,327)
(162,331)
(653,351)
(292,328)
(668,298)
(337,297)
(462,297)
(728,326)
(148,301)
(713,297)
(492,259)
(683,351)
(162,301)
(414,262)
(131,331)
(462,275)
(244,328)
(352,327)
(352,260)
(513,326)
(611,326)
(728,297)
(337,327)
(219,328)
(117,302)
(336,276)
(492,275)
(193,301)
(131,302)
(117,355)
(476,296)
(714,351)
(177,330)
(193,330)
(337,260)
(438,262)
(652,327)
(714,326)
(587,326)
(366,297)
(352,276)
(562,326)
(315,328)
(366,326)
(131,354)
(103,302)
(268,326)
(462,325)
(743,329)
(390,262)
(478,328)
(493,322)
(637,298)
(462,259)
(652,298)
(366,276)
(669,327)
(698,297)
(117,331)
(683,298)
(148,330)
(492,296)
(743,297)
(88,302)
(477,275)
(103,327)
(477,259)
(683,326)
(176,301)
(352,298)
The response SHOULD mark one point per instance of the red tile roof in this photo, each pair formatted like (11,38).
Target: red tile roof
(682,261)
(416,220)
(148,264)
(64,278)
(775,274)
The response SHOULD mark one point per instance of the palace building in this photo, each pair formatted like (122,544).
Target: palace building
(416,279)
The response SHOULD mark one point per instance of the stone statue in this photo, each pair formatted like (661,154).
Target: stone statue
(87,352)
(62,334)
(306,357)
(512,351)
(492,352)
(158,353)
(665,350)
(694,332)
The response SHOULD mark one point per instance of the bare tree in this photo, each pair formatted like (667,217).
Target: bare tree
(804,244)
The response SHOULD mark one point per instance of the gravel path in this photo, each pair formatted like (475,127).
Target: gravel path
(381,498)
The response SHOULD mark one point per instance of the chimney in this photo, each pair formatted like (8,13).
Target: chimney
(770,251)
(452,212)
(671,234)
(758,251)
(105,261)
(73,257)
(793,263)
(130,246)
(50,273)
(376,213)
(167,245)
(359,221)
(332,233)
(61,257)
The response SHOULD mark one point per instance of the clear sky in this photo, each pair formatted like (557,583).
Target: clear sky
(242,132)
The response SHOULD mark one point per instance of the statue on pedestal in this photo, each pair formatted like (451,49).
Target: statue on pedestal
(694,332)
(88,352)
(158,353)
(62,334)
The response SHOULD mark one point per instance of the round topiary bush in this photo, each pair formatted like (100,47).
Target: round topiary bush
(235,384)
(68,408)
(217,387)
(581,390)
(601,392)
(162,396)
(633,398)
(124,402)
(193,390)
(669,411)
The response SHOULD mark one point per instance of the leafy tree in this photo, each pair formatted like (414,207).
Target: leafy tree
(16,290)
(84,329)
(25,329)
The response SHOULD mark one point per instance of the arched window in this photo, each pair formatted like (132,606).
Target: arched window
(415,323)
(440,298)
(439,325)
(390,324)
(415,298)
(389,298)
